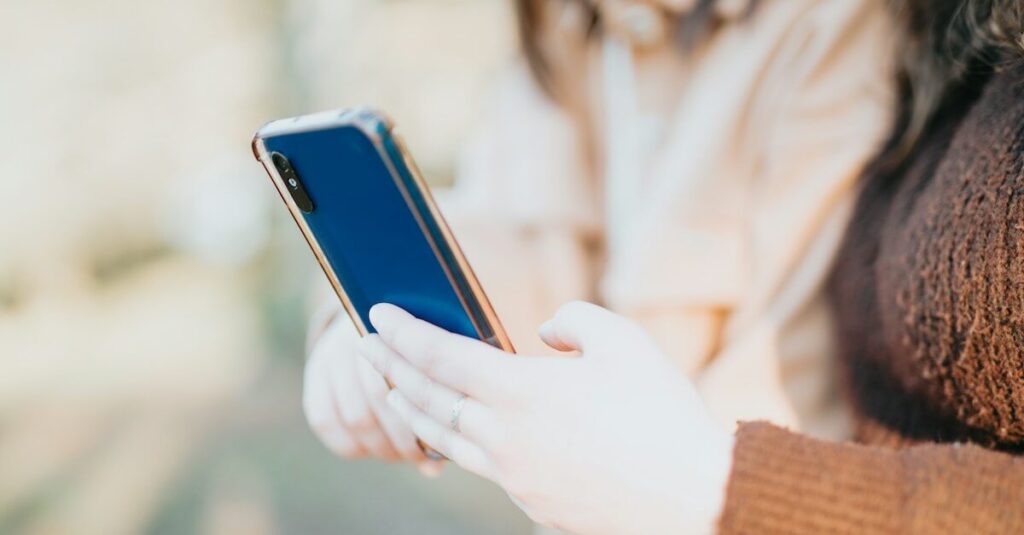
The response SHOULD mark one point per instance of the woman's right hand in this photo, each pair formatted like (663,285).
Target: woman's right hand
(344,403)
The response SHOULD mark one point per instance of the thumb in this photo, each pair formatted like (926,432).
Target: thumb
(580,326)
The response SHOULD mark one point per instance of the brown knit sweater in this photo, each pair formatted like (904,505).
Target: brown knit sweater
(929,294)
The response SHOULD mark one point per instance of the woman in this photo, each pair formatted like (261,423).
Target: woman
(929,294)
(688,164)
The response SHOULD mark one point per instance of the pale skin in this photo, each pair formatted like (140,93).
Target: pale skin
(344,403)
(614,440)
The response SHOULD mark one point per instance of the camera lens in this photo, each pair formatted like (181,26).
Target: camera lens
(282,163)
(294,183)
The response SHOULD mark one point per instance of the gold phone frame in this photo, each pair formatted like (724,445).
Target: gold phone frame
(376,125)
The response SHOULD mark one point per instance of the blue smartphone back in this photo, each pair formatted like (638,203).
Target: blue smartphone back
(367,227)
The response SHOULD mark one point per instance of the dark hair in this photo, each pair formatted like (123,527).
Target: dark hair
(689,31)
(943,46)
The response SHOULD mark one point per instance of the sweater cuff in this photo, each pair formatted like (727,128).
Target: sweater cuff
(782,482)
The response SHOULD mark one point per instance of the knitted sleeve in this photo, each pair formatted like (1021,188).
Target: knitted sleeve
(787,483)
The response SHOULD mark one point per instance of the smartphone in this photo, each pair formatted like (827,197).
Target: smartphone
(367,214)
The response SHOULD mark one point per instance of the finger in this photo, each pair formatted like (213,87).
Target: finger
(461,363)
(452,445)
(398,434)
(322,320)
(429,397)
(373,440)
(323,418)
(579,326)
(357,415)
(427,454)
(430,468)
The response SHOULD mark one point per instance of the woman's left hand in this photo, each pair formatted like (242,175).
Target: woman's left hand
(614,441)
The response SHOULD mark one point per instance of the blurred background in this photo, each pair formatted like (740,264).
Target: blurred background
(153,291)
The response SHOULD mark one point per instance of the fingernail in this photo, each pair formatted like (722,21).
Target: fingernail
(378,314)
(430,469)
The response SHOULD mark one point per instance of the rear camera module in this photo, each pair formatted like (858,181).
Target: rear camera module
(291,178)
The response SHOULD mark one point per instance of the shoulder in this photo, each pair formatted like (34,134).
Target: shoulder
(826,57)
(984,159)
(817,29)
(994,127)
(951,271)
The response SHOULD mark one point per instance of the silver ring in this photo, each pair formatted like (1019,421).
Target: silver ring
(457,412)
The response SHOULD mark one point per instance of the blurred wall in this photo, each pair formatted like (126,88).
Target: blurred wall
(151,288)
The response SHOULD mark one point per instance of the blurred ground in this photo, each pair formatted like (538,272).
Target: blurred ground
(152,291)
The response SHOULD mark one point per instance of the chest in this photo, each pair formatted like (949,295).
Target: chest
(930,285)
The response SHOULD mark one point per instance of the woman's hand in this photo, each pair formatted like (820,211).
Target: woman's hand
(615,441)
(344,402)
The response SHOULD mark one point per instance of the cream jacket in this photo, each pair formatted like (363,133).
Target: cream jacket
(702,194)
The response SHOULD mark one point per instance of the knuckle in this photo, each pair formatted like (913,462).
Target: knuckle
(502,451)
(331,344)
(316,367)
(319,420)
(376,357)
(494,439)
(388,336)
(320,348)
(321,426)
(375,443)
(385,365)
(423,394)
(440,363)
(360,420)
(449,374)
(347,450)
(372,382)
(366,346)
(390,454)
(378,392)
